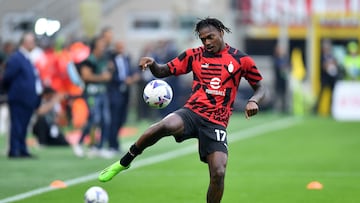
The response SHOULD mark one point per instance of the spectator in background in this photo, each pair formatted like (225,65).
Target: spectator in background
(24,88)
(2,67)
(119,93)
(95,74)
(3,98)
(328,74)
(2,70)
(7,49)
(281,64)
(46,128)
(45,61)
(352,62)
(107,35)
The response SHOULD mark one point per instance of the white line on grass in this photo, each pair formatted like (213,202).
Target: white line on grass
(233,137)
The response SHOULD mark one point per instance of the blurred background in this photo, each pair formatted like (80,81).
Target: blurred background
(307,50)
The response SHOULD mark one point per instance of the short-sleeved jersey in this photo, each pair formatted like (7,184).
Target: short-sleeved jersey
(97,66)
(216,78)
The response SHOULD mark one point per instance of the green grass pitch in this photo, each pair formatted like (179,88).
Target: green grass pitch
(271,160)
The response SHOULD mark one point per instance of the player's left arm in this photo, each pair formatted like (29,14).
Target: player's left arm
(252,106)
(158,70)
(254,78)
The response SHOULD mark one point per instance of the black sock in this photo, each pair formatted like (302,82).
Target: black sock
(130,155)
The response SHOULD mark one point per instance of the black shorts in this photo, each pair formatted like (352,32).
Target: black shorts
(212,137)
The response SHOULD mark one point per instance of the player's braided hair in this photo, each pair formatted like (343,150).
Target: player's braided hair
(210,21)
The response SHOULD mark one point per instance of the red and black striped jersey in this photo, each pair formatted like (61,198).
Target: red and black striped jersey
(216,78)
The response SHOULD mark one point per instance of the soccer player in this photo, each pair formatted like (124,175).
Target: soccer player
(217,69)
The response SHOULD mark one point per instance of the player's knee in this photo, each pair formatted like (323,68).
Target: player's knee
(218,175)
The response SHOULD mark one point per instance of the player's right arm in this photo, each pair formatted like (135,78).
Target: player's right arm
(158,70)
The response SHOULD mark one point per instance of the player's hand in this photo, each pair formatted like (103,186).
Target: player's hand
(145,62)
(251,109)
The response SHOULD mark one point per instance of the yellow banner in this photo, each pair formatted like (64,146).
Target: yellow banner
(90,12)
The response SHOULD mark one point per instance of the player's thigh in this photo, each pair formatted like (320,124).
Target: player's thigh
(172,124)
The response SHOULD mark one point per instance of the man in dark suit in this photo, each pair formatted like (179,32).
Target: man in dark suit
(119,93)
(24,88)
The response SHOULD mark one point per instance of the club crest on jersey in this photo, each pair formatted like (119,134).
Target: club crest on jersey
(230,67)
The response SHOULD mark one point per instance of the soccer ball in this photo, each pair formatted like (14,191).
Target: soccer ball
(158,94)
(96,194)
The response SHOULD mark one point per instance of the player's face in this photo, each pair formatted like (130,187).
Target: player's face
(212,39)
